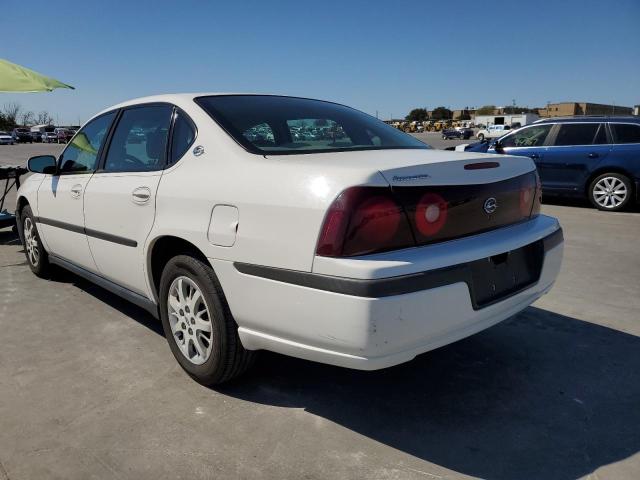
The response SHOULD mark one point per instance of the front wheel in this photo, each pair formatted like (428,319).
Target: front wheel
(611,192)
(36,255)
(481,137)
(197,322)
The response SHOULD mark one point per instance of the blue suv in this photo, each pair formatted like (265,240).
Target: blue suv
(593,157)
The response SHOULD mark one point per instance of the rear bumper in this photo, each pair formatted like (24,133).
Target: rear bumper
(375,322)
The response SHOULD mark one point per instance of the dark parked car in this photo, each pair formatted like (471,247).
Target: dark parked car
(22,135)
(63,135)
(463,133)
(36,136)
(593,157)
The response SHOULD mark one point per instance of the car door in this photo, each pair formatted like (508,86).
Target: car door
(574,151)
(120,197)
(528,141)
(61,196)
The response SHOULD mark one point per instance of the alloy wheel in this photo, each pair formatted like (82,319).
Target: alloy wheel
(31,242)
(610,192)
(190,320)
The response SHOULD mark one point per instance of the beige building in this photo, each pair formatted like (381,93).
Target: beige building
(566,109)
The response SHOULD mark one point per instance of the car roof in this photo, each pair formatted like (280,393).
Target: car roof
(591,118)
(177,98)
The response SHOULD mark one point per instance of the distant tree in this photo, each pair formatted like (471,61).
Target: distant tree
(11,112)
(320,122)
(417,115)
(486,110)
(4,123)
(44,118)
(27,118)
(441,113)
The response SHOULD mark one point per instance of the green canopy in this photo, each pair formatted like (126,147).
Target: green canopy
(14,78)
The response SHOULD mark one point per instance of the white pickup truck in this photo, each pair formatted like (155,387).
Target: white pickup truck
(493,131)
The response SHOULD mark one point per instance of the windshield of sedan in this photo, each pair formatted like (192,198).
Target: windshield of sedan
(275,125)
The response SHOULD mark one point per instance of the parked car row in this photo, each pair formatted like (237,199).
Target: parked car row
(597,158)
(44,135)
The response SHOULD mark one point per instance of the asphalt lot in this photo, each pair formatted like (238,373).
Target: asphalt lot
(89,388)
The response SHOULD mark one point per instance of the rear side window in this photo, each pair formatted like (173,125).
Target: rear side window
(533,136)
(576,134)
(183,135)
(81,154)
(626,133)
(139,142)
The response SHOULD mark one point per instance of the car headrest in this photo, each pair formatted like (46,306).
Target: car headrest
(155,145)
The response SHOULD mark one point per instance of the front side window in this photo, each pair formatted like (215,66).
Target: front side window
(275,125)
(533,136)
(139,141)
(626,132)
(576,134)
(81,154)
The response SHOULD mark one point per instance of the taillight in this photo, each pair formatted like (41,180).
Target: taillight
(364,220)
(529,195)
(537,199)
(431,214)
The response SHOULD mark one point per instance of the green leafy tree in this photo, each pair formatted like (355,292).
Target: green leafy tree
(441,113)
(417,115)
(486,110)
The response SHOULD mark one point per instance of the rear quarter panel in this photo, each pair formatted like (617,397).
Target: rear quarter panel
(281,202)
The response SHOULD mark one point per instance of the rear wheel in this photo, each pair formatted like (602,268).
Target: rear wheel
(36,255)
(198,324)
(610,192)
(481,136)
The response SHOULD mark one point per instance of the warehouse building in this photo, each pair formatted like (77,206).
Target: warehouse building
(565,109)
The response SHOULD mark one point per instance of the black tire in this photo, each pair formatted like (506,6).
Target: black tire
(618,206)
(41,266)
(228,358)
(481,137)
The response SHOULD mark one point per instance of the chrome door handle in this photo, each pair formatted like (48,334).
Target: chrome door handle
(141,195)
(534,156)
(593,155)
(76,191)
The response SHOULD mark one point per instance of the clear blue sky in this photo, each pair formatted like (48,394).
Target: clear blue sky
(388,56)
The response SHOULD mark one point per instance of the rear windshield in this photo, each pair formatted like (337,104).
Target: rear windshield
(275,125)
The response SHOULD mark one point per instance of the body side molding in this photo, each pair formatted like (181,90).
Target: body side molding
(87,231)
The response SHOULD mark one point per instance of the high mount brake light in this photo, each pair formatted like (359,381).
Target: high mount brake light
(364,220)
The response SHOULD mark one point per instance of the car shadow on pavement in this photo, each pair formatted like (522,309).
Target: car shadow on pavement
(125,307)
(539,396)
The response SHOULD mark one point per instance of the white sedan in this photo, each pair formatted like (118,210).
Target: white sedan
(6,139)
(360,248)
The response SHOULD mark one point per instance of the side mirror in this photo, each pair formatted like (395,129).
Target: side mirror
(42,164)
(498,147)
